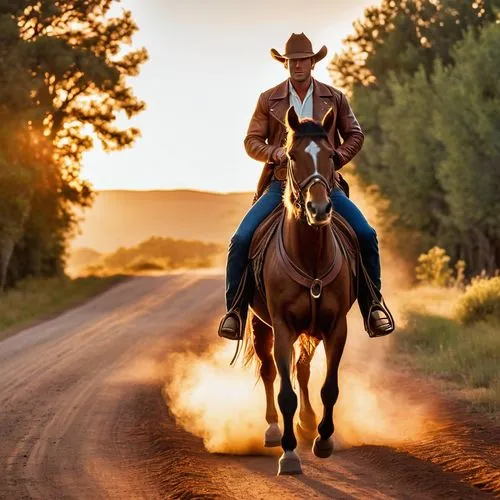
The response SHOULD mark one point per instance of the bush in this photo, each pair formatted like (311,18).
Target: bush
(434,267)
(481,301)
(144,264)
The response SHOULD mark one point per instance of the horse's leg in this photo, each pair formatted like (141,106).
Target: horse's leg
(334,346)
(263,344)
(306,426)
(287,399)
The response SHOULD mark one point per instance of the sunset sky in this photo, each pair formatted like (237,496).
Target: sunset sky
(209,61)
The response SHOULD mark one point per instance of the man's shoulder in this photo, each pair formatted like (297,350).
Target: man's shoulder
(277,92)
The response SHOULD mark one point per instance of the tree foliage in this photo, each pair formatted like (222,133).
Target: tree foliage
(423,76)
(63,82)
(467,124)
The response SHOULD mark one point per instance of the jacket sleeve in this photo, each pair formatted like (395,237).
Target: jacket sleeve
(258,132)
(351,133)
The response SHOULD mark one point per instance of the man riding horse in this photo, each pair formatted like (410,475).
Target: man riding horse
(265,142)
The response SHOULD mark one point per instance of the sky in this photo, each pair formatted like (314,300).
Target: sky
(208,63)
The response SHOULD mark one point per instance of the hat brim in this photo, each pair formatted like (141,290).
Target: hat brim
(321,54)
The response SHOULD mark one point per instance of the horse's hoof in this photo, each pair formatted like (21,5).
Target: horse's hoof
(272,437)
(305,434)
(323,448)
(289,464)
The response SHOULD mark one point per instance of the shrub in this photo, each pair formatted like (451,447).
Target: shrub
(144,264)
(434,267)
(481,301)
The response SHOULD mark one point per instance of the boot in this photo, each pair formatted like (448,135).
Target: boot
(230,326)
(380,322)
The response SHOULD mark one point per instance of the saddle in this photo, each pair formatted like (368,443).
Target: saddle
(346,242)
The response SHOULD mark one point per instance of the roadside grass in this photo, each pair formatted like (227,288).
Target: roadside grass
(465,356)
(37,299)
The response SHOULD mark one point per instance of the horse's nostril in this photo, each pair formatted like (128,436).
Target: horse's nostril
(328,207)
(311,207)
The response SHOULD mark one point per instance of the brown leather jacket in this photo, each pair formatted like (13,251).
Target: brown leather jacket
(267,130)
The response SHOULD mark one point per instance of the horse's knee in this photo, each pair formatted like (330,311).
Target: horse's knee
(330,392)
(287,400)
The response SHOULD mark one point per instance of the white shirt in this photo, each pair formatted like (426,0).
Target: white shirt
(304,109)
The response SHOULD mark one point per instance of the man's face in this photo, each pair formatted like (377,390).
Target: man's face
(300,69)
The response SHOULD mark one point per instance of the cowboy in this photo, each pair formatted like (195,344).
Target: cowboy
(264,142)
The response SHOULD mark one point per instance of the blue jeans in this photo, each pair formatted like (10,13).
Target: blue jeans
(239,245)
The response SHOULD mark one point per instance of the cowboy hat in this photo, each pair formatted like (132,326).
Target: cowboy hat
(299,46)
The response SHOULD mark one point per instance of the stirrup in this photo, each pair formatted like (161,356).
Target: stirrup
(383,319)
(231,334)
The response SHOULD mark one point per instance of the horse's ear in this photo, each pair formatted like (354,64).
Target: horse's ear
(327,122)
(291,118)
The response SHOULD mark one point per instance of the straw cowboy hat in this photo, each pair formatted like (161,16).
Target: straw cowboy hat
(299,46)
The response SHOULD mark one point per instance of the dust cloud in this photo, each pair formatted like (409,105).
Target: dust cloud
(226,405)
(219,403)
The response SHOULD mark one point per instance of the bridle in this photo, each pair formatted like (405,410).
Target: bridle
(300,189)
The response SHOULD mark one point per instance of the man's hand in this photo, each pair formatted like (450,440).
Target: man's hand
(279,155)
(335,160)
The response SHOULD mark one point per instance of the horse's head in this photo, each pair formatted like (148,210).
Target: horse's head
(310,168)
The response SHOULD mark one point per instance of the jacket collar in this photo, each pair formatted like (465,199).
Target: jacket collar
(281,91)
(321,90)
(280,101)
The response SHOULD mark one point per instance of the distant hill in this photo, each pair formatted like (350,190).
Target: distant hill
(82,257)
(154,254)
(126,218)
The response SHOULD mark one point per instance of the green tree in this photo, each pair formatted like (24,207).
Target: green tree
(387,67)
(410,154)
(467,123)
(69,77)
(18,166)
(399,36)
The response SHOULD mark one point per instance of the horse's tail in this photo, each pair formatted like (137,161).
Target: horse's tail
(249,356)
(307,344)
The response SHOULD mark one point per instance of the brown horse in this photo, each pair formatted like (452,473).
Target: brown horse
(308,290)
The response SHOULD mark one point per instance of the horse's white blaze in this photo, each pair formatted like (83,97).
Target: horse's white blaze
(313,149)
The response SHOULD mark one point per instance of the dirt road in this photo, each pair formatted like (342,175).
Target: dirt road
(83,414)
